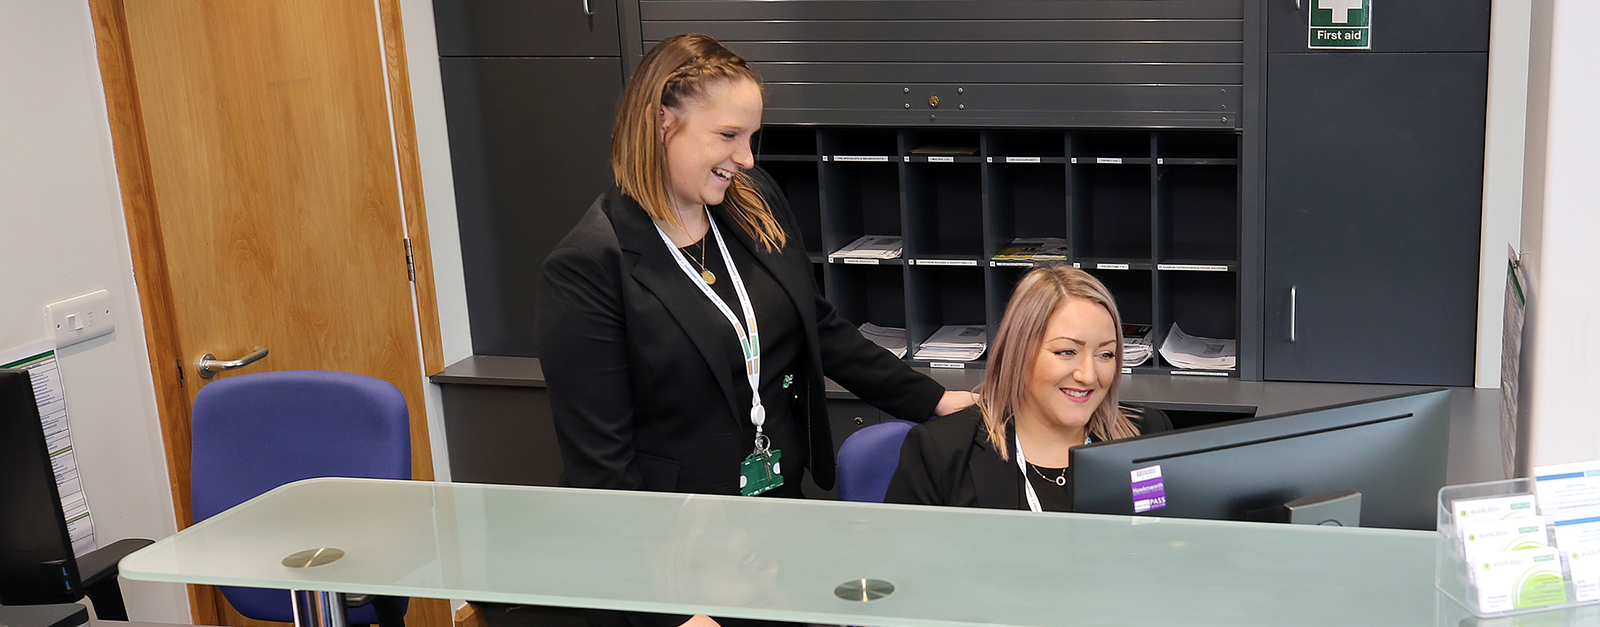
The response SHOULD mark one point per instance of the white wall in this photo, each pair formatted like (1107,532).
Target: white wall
(1502,176)
(1560,233)
(62,234)
(439,196)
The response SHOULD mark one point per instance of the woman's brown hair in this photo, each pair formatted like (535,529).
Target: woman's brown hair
(679,70)
(1016,345)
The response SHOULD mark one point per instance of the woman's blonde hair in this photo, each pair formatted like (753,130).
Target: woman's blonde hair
(1016,346)
(679,70)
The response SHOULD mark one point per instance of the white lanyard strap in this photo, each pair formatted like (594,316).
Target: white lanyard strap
(749,340)
(1022,465)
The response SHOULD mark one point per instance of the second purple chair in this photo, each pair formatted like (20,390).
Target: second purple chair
(867,460)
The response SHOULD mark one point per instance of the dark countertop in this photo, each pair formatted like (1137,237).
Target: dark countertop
(1474,428)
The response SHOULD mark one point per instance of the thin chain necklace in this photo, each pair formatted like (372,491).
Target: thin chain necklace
(1060,481)
(705,273)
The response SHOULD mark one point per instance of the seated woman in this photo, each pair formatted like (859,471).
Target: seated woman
(1054,372)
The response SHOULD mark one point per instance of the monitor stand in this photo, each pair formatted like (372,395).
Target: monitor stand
(1340,508)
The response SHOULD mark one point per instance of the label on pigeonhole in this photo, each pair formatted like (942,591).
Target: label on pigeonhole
(1148,490)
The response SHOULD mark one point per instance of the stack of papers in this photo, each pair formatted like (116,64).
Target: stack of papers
(1035,248)
(892,339)
(871,247)
(955,342)
(1200,353)
(1137,344)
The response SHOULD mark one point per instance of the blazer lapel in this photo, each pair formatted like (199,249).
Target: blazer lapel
(797,286)
(993,479)
(655,268)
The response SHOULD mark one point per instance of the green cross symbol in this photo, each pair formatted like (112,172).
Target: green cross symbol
(1341,9)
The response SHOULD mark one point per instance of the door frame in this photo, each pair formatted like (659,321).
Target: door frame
(134,174)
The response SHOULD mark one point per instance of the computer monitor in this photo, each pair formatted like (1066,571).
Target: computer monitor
(36,560)
(1392,450)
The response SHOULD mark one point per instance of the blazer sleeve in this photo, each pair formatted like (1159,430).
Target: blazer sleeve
(873,374)
(915,481)
(580,314)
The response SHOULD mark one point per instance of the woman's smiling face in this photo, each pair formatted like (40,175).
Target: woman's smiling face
(708,141)
(1074,367)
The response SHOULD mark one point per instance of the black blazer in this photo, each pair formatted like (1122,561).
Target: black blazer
(950,461)
(640,383)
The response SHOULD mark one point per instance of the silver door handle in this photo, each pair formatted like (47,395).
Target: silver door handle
(589,11)
(1293,311)
(1296,4)
(209,364)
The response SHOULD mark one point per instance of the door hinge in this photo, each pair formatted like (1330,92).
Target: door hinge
(181,382)
(411,266)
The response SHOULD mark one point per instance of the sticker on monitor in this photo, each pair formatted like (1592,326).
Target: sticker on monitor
(1148,490)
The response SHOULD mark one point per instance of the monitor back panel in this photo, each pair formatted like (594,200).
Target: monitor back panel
(35,552)
(1392,450)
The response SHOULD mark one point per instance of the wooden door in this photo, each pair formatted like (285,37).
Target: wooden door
(260,171)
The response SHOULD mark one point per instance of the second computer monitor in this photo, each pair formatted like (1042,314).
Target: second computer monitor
(1392,450)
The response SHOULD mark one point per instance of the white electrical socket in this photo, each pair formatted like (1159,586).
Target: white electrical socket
(77,319)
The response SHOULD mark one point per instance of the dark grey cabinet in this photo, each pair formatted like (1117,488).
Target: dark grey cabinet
(1243,168)
(1397,25)
(990,63)
(530,147)
(1374,166)
(530,92)
(527,28)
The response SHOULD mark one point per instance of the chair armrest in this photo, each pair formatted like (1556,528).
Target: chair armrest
(102,562)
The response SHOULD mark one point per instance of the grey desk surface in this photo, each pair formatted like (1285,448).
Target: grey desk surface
(1475,453)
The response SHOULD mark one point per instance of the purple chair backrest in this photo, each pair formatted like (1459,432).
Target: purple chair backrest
(255,432)
(867,460)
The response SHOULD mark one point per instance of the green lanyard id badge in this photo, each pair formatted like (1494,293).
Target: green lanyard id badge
(760,472)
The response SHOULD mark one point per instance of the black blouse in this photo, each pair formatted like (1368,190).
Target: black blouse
(1052,497)
(782,344)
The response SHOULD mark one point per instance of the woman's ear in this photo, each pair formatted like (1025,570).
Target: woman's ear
(668,120)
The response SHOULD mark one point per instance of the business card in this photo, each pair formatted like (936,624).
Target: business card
(1486,537)
(1584,564)
(1567,489)
(1579,531)
(1493,508)
(1519,579)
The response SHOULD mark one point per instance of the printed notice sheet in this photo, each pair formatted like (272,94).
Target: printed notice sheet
(1511,359)
(39,360)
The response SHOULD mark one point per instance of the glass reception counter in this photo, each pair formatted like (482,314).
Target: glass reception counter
(801,561)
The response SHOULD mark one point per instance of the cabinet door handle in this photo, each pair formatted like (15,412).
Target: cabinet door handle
(590,12)
(1296,4)
(1293,312)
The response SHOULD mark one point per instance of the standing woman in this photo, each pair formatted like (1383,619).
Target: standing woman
(680,329)
(1054,375)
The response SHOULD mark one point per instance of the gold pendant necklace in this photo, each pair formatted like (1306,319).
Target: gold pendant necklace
(705,273)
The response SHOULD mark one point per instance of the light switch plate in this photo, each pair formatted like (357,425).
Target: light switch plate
(77,319)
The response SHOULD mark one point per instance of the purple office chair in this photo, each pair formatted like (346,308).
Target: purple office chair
(255,432)
(867,460)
